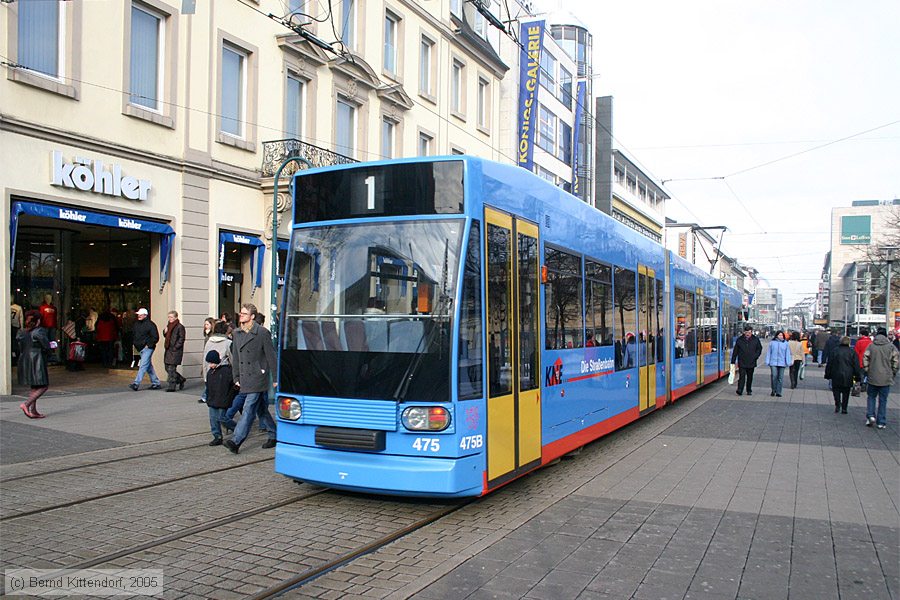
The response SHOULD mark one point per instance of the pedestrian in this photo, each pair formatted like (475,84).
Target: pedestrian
(860,348)
(220,392)
(174,334)
(208,326)
(842,369)
(797,354)
(218,341)
(34,352)
(145,335)
(821,340)
(831,344)
(106,332)
(881,361)
(253,362)
(778,357)
(747,349)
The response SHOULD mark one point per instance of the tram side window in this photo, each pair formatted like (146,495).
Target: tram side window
(626,318)
(712,320)
(685,336)
(660,321)
(499,313)
(599,314)
(469,360)
(565,323)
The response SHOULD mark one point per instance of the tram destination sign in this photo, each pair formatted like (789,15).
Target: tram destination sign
(92,175)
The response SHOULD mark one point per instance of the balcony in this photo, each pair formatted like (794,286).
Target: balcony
(276,152)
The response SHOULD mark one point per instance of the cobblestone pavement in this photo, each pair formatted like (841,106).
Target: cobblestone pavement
(713,497)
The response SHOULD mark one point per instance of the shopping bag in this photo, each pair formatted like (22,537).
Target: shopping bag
(731,374)
(69,329)
(855,391)
(77,351)
(802,373)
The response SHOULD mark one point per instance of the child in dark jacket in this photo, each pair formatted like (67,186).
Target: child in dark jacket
(220,394)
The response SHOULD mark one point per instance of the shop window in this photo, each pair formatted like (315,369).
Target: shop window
(626,318)
(564,319)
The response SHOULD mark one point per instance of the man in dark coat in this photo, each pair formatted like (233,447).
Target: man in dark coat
(842,369)
(882,362)
(747,349)
(145,335)
(253,359)
(174,334)
(831,345)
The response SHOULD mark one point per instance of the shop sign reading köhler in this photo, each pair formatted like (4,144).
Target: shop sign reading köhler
(91,175)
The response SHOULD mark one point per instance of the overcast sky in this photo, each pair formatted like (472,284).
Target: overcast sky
(713,88)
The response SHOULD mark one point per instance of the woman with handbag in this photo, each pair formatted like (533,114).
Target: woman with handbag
(34,350)
(842,368)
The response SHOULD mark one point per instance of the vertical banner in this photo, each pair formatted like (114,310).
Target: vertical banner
(532,38)
(576,135)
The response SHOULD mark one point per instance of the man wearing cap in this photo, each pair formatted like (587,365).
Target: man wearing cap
(146,336)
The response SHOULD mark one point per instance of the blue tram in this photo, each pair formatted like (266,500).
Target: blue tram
(452,323)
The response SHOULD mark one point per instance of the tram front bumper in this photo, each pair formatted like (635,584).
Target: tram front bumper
(382,473)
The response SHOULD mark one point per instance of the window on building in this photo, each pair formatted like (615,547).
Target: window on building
(426,68)
(548,72)
(234,90)
(565,87)
(348,23)
(484,103)
(631,184)
(565,324)
(626,318)
(426,142)
(391,26)
(147,34)
(457,151)
(565,143)
(619,174)
(480,25)
(456,8)
(546,130)
(40,44)
(457,87)
(293,107)
(298,11)
(545,174)
(388,129)
(345,129)
(599,316)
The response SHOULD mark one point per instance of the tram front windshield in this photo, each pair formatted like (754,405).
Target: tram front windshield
(368,310)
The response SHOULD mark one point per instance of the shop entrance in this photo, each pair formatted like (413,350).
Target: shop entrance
(87,273)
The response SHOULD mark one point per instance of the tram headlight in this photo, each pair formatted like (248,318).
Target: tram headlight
(426,418)
(289,408)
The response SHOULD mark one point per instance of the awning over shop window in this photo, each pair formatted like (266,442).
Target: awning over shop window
(259,252)
(78,215)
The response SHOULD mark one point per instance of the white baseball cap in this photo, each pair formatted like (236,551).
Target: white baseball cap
(142,311)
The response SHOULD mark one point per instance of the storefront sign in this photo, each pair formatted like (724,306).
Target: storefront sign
(91,175)
(229,277)
(51,211)
(856,229)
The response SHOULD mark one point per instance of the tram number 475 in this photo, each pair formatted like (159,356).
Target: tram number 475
(425,444)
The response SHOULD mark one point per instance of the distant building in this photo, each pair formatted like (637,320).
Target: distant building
(865,246)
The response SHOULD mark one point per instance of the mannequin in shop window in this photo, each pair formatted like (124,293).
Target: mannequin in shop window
(15,320)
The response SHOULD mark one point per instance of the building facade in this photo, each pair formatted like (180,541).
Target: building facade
(139,142)
(865,248)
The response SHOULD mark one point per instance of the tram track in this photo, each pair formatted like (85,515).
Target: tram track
(129,490)
(72,468)
(315,572)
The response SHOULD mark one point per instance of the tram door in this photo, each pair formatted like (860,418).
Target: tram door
(646,343)
(514,395)
(699,328)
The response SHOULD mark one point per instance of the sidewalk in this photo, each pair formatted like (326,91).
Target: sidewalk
(718,496)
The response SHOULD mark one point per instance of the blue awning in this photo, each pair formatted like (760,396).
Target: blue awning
(78,215)
(259,251)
